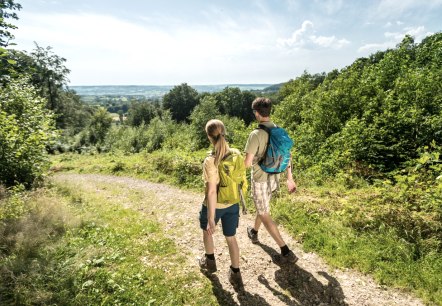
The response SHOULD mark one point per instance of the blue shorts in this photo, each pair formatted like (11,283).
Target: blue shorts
(229,219)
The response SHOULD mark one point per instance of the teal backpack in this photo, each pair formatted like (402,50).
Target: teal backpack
(277,154)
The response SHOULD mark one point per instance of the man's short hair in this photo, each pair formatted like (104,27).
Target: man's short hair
(263,106)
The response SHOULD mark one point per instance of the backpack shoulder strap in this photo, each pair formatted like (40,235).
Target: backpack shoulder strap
(227,155)
(263,127)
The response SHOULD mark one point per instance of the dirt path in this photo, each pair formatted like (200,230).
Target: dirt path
(309,282)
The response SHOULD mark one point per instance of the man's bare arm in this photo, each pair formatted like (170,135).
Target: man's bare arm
(248,160)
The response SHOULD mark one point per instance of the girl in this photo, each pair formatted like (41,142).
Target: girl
(212,212)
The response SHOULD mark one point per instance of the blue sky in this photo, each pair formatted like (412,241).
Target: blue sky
(201,42)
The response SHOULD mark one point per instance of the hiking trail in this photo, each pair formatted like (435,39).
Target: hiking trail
(308,282)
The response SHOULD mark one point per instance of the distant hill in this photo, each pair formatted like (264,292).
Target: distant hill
(272,88)
(155,91)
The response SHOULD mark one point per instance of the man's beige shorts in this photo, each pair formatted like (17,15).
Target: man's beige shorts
(262,193)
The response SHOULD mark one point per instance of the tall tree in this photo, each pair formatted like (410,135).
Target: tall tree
(180,101)
(7,8)
(99,125)
(6,11)
(141,112)
(50,74)
(202,113)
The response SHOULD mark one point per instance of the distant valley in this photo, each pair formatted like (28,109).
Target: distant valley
(155,91)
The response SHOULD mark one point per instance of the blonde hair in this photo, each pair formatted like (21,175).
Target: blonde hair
(216,132)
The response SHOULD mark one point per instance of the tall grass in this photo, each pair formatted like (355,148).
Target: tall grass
(76,247)
(322,222)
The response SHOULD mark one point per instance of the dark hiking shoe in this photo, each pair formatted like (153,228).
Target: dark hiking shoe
(207,264)
(280,259)
(253,236)
(236,280)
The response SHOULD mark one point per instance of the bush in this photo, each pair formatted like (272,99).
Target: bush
(26,129)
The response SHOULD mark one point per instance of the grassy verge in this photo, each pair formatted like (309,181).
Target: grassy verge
(175,168)
(365,228)
(324,223)
(78,247)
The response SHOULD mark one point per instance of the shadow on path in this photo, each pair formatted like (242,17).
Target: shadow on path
(225,297)
(304,288)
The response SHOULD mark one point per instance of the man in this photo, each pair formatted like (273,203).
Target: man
(263,184)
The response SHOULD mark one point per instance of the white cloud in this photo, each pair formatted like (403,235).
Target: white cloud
(305,38)
(106,48)
(299,37)
(393,38)
(367,48)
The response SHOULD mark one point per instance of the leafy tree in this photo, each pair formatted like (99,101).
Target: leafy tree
(141,113)
(296,98)
(73,115)
(180,100)
(99,125)
(237,133)
(203,112)
(234,103)
(50,75)
(247,115)
(7,8)
(26,129)
(160,128)
(229,101)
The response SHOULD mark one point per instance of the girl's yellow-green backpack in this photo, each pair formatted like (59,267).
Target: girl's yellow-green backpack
(232,178)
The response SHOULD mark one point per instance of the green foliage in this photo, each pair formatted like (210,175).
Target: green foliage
(234,103)
(47,73)
(7,8)
(181,138)
(25,131)
(98,126)
(160,129)
(79,246)
(237,133)
(144,137)
(141,112)
(6,11)
(72,114)
(180,101)
(185,168)
(323,221)
(370,117)
(207,109)
(13,206)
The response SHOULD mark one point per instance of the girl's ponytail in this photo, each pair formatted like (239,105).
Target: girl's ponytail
(216,132)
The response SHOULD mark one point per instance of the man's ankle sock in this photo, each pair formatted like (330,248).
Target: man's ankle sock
(234,270)
(285,250)
(254,232)
(210,256)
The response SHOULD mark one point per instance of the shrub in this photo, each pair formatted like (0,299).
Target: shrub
(26,129)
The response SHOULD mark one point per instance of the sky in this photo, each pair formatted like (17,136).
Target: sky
(201,42)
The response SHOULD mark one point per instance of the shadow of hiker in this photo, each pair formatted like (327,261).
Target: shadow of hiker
(225,297)
(304,288)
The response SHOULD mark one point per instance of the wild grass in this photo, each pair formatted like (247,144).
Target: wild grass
(75,246)
(178,168)
(321,219)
